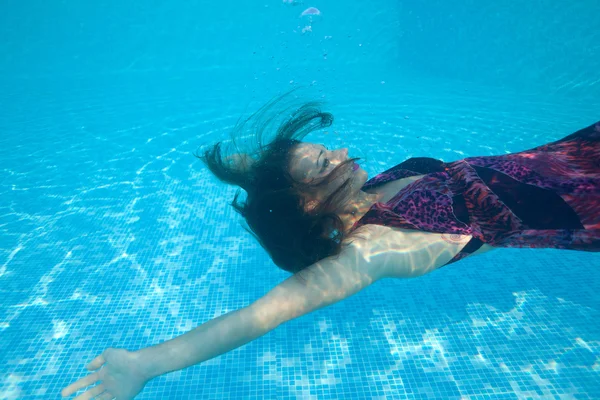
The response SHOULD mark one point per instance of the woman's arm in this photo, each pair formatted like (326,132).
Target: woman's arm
(375,252)
(123,374)
(325,282)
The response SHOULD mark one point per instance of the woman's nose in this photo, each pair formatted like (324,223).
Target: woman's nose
(340,155)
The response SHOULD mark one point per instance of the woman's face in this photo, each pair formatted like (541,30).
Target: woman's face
(312,161)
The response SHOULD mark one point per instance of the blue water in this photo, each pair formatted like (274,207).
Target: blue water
(113,235)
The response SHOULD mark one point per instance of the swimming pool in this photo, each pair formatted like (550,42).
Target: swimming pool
(113,235)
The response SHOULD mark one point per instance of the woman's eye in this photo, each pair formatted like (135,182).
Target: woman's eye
(326,163)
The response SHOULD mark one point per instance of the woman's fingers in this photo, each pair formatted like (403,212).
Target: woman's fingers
(90,394)
(80,384)
(96,363)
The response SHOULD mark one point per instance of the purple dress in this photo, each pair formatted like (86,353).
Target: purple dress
(546,197)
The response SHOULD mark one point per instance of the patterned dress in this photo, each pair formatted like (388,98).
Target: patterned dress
(546,197)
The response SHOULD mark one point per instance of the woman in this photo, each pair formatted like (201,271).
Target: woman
(318,217)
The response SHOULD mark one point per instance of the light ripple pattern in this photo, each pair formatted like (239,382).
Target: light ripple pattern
(113,235)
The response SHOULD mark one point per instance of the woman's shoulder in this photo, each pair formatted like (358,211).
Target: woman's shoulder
(373,234)
(404,253)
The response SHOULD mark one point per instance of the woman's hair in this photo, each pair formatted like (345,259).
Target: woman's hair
(275,205)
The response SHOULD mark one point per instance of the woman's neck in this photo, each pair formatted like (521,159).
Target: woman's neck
(357,208)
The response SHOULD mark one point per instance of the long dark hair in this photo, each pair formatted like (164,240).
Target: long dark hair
(275,205)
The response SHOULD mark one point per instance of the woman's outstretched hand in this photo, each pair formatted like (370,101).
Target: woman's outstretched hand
(120,379)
